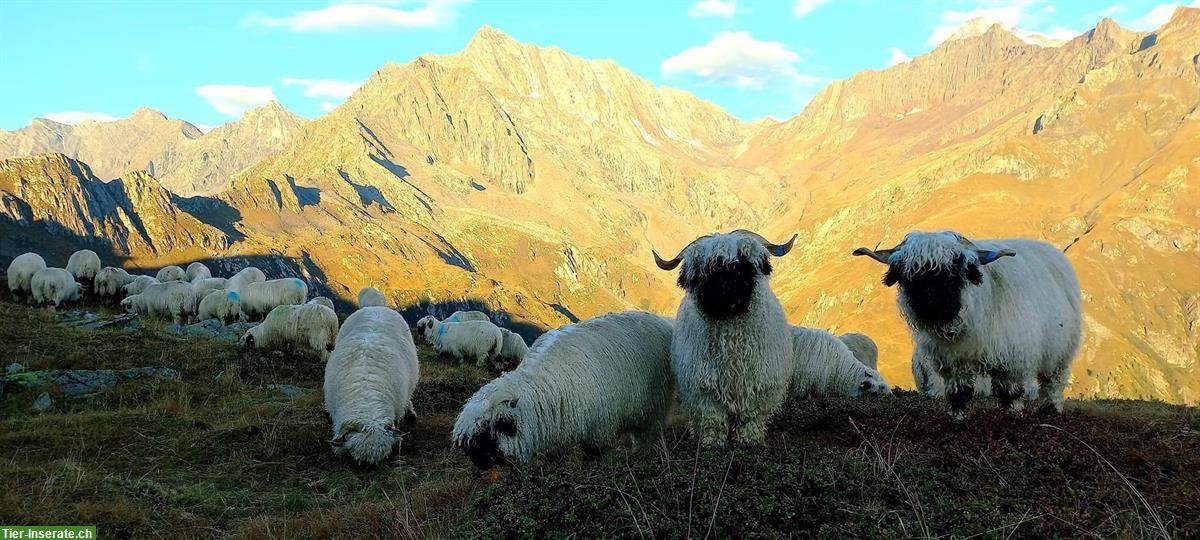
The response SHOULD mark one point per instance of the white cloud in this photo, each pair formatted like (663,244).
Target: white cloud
(323,87)
(233,100)
(1008,15)
(898,56)
(328,106)
(712,8)
(75,117)
(737,59)
(1157,16)
(804,7)
(362,15)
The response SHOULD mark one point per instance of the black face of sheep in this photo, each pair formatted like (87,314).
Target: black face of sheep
(724,288)
(248,341)
(483,448)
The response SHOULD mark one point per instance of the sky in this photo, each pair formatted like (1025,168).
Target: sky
(208,62)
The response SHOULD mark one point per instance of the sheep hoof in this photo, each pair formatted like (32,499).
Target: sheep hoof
(958,415)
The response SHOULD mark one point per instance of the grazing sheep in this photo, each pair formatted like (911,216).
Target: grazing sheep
(20,274)
(196,271)
(863,347)
(310,325)
(54,286)
(173,299)
(480,341)
(371,297)
(825,366)
(110,282)
(220,304)
(732,351)
(585,384)
(512,350)
(138,284)
(1010,309)
(259,298)
(245,277)
(84,264)
(322,301)
(464,316)
(202,285)
(170,273)
(369,382)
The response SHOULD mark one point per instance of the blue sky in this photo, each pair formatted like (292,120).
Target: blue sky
(206,62)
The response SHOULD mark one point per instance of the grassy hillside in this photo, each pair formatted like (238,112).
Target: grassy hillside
(219,453)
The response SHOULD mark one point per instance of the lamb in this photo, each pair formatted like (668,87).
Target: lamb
(84,264)
(173,299)
(138,284)
(584,384)
(732,351)
(110,282)
(863,347)
(825,366)
(54,286)
(259,298)
(978,308)
(472,340)
(288,325)
(512,350)
(322,301)
(245,277)
(371,297)
(220,304)
(20,274)
(196,271)
(170,273)
(369,382)
(201,286)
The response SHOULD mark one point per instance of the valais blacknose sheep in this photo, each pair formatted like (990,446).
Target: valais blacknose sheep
(54,286)
(825,366)
(464,316)
(138,284)
(245,277)
(259,298)
(220,304)
(20,274)
(512,351)
(110,282)
(480,341)
(584,384)
(1009,308)
(170,273)
(732,351)
(84,264)
(369,384)
(371,297)
(863,347)
(322,301)
(196,271)
(307,325)
(174,299)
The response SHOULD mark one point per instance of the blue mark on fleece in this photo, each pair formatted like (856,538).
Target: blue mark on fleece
(297,282)
(233,295)
(452,318)
(441,330)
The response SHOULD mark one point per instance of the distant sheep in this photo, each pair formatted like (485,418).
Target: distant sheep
(202,285)
(84,264)
(20,274)
(174,299)
(369,384)
(308,325)
(322,301)
(464,316)
(825,366)
(480,341)
(196,271)
(512,350)
(170,273)
(54,286)
(110,282)
(138,284)
(245,277)
(371,297)
(863,347)
(259,298)
(978,308)
(585,384)
(220,304)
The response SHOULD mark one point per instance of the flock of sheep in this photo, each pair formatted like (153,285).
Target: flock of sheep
(982,318)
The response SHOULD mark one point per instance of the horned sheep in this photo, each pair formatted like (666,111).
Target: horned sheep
(20,274)
(825,366)
(54,286)
(84,264)
(173,299)
(480,341)
(309,325)
(220,304)
(259,298)
(170,273)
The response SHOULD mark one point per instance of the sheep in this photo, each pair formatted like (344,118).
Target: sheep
(584,384)
(863,347)
(201,286)
(308,324)
(512,350)
(20,274)
(978,308)
(322,301)
(110,282)
(369,382)
(196,271)
(54,286)
(472,340)
(170,273)
(929,383)
(259,298)
(84,264)
(220,304)
(138,284)
(464,316)
(173,299)
(731,352)
(371,297)
(245,277)
(825,366)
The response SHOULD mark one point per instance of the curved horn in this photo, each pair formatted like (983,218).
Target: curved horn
(987,256)
(777,250)
(881,255)
(667,265)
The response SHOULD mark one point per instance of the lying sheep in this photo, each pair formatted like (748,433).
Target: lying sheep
(220,304)
(322,301)
(54,286)
(371,297)
(84,264)
(1010,309)
(196,271)
(584,384)
(173,299)
(110,282)
(259,298)
(369,382)
(170,273)
(863,347)
(138,284)
(472,340)
(309,325)
(245,277)
(512,350)
(825,366)
(20,274)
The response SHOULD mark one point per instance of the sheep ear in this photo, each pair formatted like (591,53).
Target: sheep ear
(891,276)
(973,274)
(987,256)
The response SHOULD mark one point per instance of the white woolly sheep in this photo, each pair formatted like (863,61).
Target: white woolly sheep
(863,347)
(54,286)
(480,341)
(110,282)
(220,304)
(259,298)
(84,264)
(584,384)
(203,285)
(170,273)
(369,382)
(245,277)
(138,284)
(20,274)
(512,350)
(322,301)
(309,325)
(464,316)
(732,351)
(196,271)
(825,366)
(173,299)
(371,297)
(1008,308)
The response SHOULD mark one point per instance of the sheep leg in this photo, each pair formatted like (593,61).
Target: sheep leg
(1010,392)
(751,432)
(959,392)
(1051,390)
